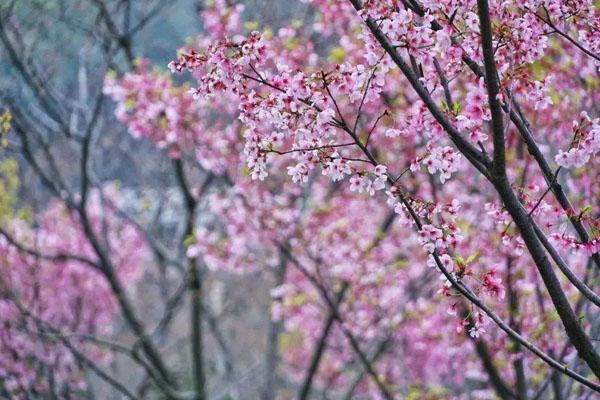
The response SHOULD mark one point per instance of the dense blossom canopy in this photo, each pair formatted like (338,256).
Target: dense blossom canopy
(421,168)
(324,103)
(332,106)
(50,301)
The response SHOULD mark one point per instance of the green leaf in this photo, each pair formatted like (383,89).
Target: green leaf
(586,209)
(190,239)
(456,107)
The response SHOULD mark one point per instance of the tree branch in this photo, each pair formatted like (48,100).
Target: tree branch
(320,347)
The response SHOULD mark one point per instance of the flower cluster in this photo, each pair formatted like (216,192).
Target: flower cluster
(572,243)
(362,183)
(444,160)
(585,143)
(224,63)
(168,116)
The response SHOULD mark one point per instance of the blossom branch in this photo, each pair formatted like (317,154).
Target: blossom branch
(582,287)
(333,308)
(76,353)
(479,160)
(60,257)
(499,385)
(575,332)
(524,129)
(574,42)
(324,147)
(514,207)
(379,351)
(320,347)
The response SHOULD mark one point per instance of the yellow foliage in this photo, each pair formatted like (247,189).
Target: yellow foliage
(337,55)
(268,34)
(5,119)
(251,25)
(9,184)
(292,43)
(295,301)
(431,393)
(290,339)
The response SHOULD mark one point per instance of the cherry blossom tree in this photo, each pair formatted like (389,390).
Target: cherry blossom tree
(417,180)
(473,121)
